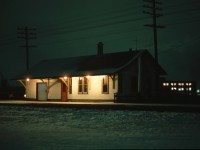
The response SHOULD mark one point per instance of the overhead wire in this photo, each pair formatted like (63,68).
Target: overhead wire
(53,31)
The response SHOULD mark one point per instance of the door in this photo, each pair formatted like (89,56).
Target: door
(63,92)
(42,91)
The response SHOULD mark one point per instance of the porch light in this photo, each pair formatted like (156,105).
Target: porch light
(65,77)
(27,79)
(24,95)
(88,76)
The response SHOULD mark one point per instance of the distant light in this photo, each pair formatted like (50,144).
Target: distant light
(165,84)
(27,79)
(24,95)
(198,92)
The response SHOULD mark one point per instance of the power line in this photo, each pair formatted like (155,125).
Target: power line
(183,11)
(190,2)
(110,23)
(103,15)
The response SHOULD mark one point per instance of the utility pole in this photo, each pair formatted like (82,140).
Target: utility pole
(153,12)
(136,43)
(27,34)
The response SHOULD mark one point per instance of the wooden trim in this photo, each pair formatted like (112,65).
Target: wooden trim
(113,77)
(65,82)
(24,85)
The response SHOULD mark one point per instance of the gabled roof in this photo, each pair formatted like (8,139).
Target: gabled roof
(84,65)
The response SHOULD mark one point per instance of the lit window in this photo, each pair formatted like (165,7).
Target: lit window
(172,84)
(187,84)
(179,89)
(83,85)
(190,84)
(172,88)
(190,89)
(105,83)
(182,84)
(179,84)
(164,84)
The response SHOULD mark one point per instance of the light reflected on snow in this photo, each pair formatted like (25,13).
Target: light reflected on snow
(64,128)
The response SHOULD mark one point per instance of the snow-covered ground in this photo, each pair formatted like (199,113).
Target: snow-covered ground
(37,128)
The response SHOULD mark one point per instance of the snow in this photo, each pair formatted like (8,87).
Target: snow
(43,128)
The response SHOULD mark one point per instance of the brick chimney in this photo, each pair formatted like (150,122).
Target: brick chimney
(100,48)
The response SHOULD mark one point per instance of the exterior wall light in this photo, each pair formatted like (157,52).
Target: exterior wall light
(27,79)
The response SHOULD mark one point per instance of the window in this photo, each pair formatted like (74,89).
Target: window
(83,85)
(105,83)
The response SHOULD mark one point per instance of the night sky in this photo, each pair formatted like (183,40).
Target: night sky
(68,28)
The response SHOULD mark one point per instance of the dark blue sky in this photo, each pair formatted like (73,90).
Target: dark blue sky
(73,27)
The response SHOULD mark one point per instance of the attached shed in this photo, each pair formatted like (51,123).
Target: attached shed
(102,77)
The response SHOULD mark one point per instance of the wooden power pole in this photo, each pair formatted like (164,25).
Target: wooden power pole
(27,34)
(152,11)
